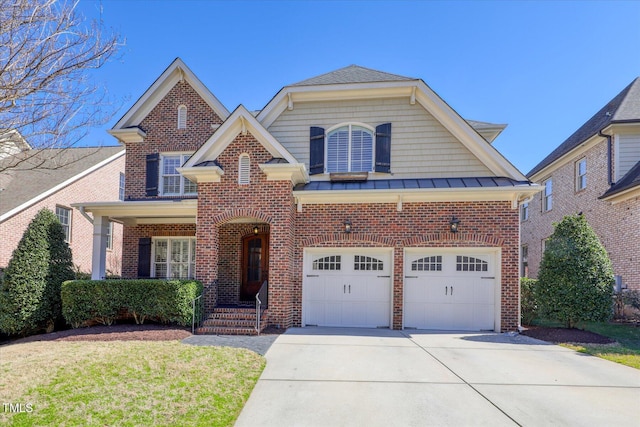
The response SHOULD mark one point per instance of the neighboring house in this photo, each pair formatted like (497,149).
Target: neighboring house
(596,171)
(340,195)
(55,179)
(12,143)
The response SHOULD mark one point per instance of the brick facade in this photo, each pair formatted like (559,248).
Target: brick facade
(100,185)
(615,225)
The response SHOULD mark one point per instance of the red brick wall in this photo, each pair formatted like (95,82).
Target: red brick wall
(616,225)
(163,135)
(482,224)
(100,185)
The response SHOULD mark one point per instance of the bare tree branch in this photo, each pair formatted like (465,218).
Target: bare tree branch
(47,52)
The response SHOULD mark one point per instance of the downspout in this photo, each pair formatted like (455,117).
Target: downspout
(609,155)
(84,214)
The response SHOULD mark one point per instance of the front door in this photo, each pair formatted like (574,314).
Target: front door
(255,265)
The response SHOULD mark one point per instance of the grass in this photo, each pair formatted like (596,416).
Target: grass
(626,351)
(126,383)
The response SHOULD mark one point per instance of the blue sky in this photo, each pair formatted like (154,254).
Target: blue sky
(542,67)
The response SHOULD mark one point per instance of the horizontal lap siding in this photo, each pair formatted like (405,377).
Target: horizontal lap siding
(629,149)
(420,145)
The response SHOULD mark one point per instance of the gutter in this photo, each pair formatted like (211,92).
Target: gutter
(85,214)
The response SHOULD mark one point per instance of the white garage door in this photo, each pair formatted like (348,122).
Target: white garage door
(347,287)
(450,290)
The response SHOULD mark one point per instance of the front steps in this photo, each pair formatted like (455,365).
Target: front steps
(232,321)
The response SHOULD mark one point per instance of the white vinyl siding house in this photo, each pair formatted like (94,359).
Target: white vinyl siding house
(419,142)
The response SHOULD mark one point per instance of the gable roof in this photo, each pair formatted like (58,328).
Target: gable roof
(352,74)
(623,108)
(22,185)
(175,72)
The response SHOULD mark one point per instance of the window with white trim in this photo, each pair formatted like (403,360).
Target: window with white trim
(121,187)
(469,263)
(332,262)
(174,257)
(524,211)
(429,263)
(547,196)
(524,268)
(171,182)
(367,263)
(182,117)
(110,236)
(64,216)
(244,168)
(350,149)
(581,174)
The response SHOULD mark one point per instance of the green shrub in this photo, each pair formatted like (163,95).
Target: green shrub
(166,301)
(528,306)
(575,282)
(30,292)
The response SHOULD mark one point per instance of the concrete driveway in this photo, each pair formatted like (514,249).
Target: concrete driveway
(369,377)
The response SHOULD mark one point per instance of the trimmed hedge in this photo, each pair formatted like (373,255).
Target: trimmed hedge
(103,301)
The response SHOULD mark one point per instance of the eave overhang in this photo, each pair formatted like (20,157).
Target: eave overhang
(128,135)
(175,211)
(622,196)
(296,172)
(199,174)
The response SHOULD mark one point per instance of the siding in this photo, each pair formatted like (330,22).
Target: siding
(629,149)
(420,146)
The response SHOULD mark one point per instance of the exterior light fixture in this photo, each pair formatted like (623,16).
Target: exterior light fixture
(453,224)
(347,226)
(255,230)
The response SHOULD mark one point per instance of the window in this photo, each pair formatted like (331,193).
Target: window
(545,242)
(432,263)
(121,187)
(110,236)
(182,117)
(64,216)
(525,211)
(581,175)
(174,258)
(524,271)
(468,263)
(547,196)
(367,263)
(328,263)
(350,149)
(244,167)
(174,184)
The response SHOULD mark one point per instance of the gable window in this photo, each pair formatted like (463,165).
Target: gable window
(174,258)
(171,182)
(64,216)
(581,175)
(547,196)
(182,117)
(244,167)
(524,211)
(121,187)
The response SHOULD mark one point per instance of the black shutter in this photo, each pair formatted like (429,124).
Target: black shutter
(144,257)
(383,148)
(153,162)
(316,150)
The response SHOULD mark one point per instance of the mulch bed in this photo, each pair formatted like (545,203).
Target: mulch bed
(563,335)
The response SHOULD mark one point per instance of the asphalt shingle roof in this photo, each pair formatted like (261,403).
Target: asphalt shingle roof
(352,74)
(22,183)
(624,107)
(631,179)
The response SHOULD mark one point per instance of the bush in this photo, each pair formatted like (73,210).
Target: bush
(528,306)
(30,291)
(102,301)
(575,282)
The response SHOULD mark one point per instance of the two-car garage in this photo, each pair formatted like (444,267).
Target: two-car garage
(444,288)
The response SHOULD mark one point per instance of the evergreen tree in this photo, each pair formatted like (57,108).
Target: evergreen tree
(575,282)
(30,292)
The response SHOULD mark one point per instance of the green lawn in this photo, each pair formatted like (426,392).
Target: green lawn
(128,383)
(626,351)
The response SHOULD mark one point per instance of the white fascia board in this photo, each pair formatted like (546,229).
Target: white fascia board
(146,208)
(279,103)
(296,173)
(625,195)
(159,89)
(468,136)
(578,151)
(201,173)
(60,186)
(511,194)
(226,133)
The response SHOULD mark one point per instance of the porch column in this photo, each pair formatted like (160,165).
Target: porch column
(99,257)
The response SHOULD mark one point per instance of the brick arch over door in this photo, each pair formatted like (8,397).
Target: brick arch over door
(241,213)
(451,239)
(344,239)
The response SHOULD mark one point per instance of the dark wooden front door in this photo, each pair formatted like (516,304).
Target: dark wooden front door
(255,265)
